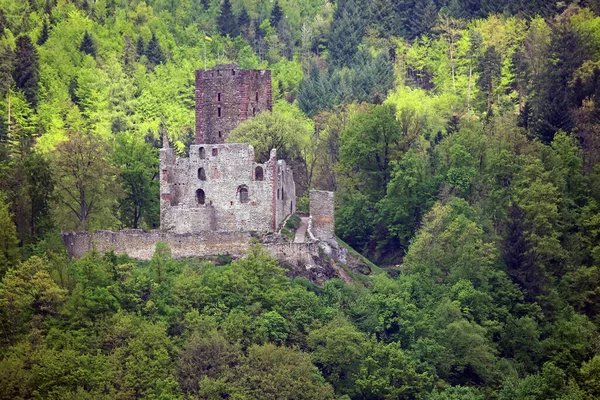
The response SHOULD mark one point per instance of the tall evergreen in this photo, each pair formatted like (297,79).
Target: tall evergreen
(348,29)
(26,73)
(140,47)
(243,23)
(3,22)
(226,21)
(44,34)
(554,98)
(87,45)
(384,18)
(7,65)
(154,53)
(276,15)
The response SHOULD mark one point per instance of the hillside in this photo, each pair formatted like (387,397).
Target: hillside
(462,139)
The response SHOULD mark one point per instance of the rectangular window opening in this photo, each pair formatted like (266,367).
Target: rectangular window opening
(219,111)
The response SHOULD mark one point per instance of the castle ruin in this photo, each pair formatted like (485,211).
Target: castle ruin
(218,198)
(220,187)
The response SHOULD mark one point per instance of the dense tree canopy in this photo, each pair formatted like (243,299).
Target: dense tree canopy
(462,138)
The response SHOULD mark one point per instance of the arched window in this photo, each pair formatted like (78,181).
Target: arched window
(202,152)
(243,191)
(220,134)
(201,174)
(200,198)
(258,174)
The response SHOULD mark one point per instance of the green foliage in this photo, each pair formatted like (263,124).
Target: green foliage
(87,45)
(9,252)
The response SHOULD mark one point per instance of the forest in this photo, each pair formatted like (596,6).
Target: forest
(462,140)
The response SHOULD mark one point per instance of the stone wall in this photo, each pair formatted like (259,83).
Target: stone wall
(221,188)
(322,214)
(140,245)
(226,96)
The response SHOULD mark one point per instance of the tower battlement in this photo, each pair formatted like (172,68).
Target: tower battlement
(226,96)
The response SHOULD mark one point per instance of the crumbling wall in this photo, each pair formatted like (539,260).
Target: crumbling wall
(226,96)
(322,214)
(140,245)
(221,172)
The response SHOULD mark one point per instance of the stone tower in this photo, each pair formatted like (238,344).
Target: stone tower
(226,96)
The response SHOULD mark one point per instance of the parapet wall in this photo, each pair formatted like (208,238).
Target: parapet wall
(140,245)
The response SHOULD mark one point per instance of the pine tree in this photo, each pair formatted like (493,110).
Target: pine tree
(26,72)
(7,64)
(129,55)
(226,21)
(244,23)
(44,34)
(140,47)
(347,32)
(384,18)
(3,22)
(276,15)
(205,4)
(9,252)
(491,67)
(154,53)
(87,45)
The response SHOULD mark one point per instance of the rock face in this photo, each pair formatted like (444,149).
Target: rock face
(226,96)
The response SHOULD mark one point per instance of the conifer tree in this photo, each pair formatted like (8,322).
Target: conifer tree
(205,4)
(154,53)
(347,32)
(140,47)
(384,18)
(87,45)
(276,14)
(129,54)
(44,34)
(26,72)
(226,21)
(244,23)
(8,237)
(3,23)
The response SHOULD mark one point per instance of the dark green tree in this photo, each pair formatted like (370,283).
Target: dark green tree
(154,53)
(276,14)
(139,165)
(140,47)
(44,34)
(87,45)
(226,21)
(384,18)
(491,67)
(26,73)
(243,22)
(348,28)
(40,188)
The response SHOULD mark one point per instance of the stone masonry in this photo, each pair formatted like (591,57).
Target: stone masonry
(321,214)
(226,96)
(221,187)
(219,198)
